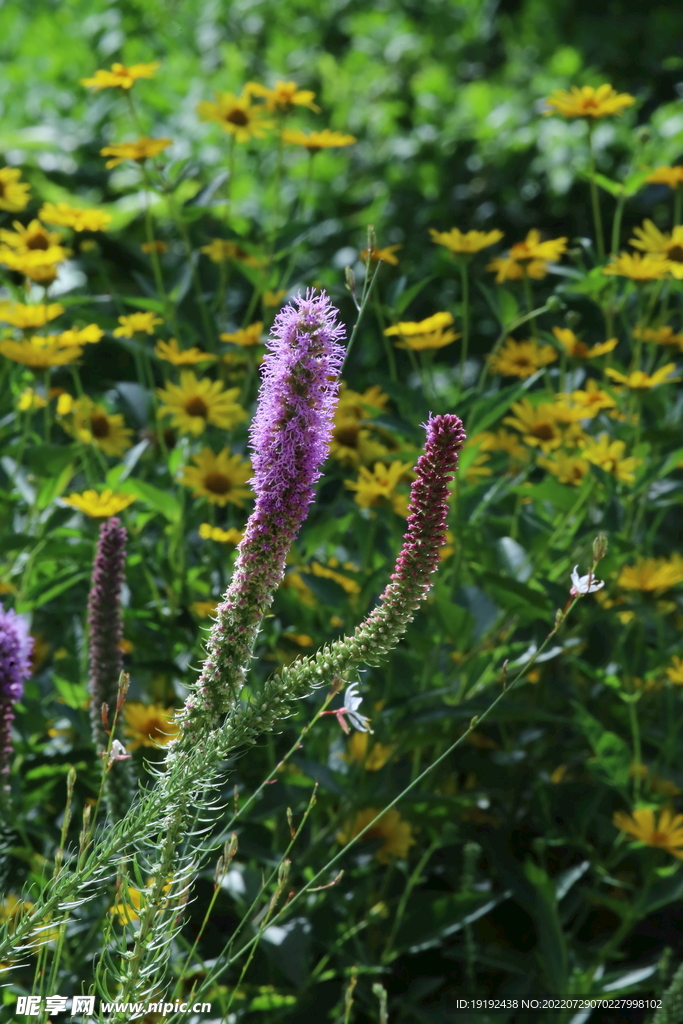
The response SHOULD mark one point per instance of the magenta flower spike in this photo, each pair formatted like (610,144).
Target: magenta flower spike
(289,438)
(106,656)
(16,645)
(104,621)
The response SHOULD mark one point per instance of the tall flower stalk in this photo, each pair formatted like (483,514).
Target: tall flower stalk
(106,656)
(289,438)
(418,559)
(15,667)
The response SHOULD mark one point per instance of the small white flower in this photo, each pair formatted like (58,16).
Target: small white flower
(351,702)
(584,584)
(118,752)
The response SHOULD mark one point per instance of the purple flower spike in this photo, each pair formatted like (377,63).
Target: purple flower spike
(15,668)
(290,438)
(104,621)
(290,433)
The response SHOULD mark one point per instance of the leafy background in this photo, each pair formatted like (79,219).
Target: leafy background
(445,100)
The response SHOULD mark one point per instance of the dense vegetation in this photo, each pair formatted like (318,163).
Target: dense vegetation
(497,248)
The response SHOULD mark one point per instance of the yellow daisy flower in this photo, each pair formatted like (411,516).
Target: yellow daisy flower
(172,353)
(587,403)
(508,269)
(13,192)
(40,266)
(667,833)
(675,671)
(220,478)
(430,333)
(136,323)
(500,441)
(89,335)
(231,536)
(532,248)
(92,423)
(478,469)
(38,353)
(29,317)
(651,574)
(650,239)
(578,349)
(329,572)
(29,399)
(219,250)
(236,115)
(569,469)
(372,760)
(120,76)
(246,337)
(352,403)
(148,725)
(395,833)
(374,487)
(315,141)
(195,403)
(283,97)
(31,238)
(140,150)
(609,455)
(650,267)
(203,609)
(588,102)
(638,380)
(273,298)
(660,336)
(66,216)
(99,505)
(537,424)
(671,176)
(461,243)
(352,444)
(386,255)
(521,358)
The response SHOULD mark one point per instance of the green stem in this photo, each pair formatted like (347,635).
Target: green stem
(209,328)
(465,314)
(616,225)
(227,959)
(388,347)
(637,753)
(367,291)
(164,299)
(46,410)
(595,202)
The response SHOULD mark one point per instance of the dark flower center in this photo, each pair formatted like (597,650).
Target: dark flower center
(156,729)
(238,117)
(37,242)
(99,425)
(347,434)
(217,483)
(543,431)
(196,406)
(675,253)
